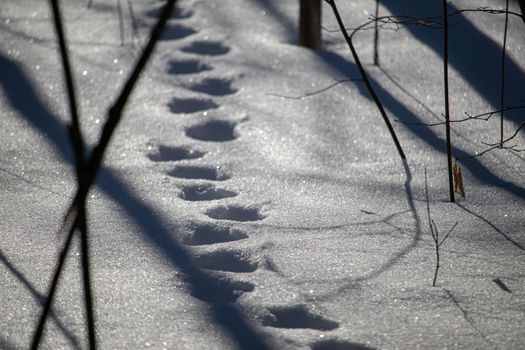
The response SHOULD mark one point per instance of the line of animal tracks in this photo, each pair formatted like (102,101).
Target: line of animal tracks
(212,244)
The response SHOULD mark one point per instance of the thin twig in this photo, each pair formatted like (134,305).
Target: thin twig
(376,36)
(120,22)
(75,135)
(52,288)
(488,115)
(134,23)
(500,145)
(483,116)
(86,275)
(434,22)
(74,128)
(434,232)
(115,112)
(313,93)
(75,213)
(448,234)
(365,78)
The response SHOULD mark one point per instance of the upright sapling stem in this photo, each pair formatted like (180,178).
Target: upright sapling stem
(502,79)
(376,35)
(447,108)
(435,233)
(120,22)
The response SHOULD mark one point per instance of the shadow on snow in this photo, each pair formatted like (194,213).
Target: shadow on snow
(21,95)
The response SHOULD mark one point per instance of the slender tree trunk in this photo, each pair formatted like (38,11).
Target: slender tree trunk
(502,82)
(376,35)
(310,24)
(447,108)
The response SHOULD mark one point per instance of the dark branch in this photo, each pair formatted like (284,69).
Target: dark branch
(313,93)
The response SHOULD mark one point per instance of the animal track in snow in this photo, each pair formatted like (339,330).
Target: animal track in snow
(187,67)
(211,48)
(235,213)
(205,234)
(221,290)
(214,86)
(205,193)
(176,31)
(199,172)
(168,153)
(334,344)
(297,317)
(227,260)
(213,130)
(191,105)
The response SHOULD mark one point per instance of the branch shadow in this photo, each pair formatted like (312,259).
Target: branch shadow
(21,95)
(154,226)
(473,54)
(494,227)
(418,232)
(426,134)
(40,299)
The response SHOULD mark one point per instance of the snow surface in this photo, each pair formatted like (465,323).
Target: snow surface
(228,216)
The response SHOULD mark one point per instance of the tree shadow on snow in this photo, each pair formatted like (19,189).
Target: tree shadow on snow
(426,134)
(289,24)
(474,55)
(40,299)
(5,344)
(21,95)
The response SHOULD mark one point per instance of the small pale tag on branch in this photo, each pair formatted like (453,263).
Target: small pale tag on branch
(458,180)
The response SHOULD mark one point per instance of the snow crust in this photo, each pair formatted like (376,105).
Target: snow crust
(234,210)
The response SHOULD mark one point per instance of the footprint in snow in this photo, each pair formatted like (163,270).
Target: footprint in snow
(227,260)
(191,105)
(213,130)
(210,48)
(200,172)
(162,153)
(205,192)
(334,344)
(297,317)
(220,290)
(176,31)
(236,213)
(205,234)
(187,67)
(214,86)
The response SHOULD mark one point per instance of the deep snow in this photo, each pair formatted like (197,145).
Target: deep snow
(227,216)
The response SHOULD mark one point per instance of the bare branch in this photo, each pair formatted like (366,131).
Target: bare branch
(448,234)
(499,145)
(484,117)
(364,76)
(395,22)
(313,93)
